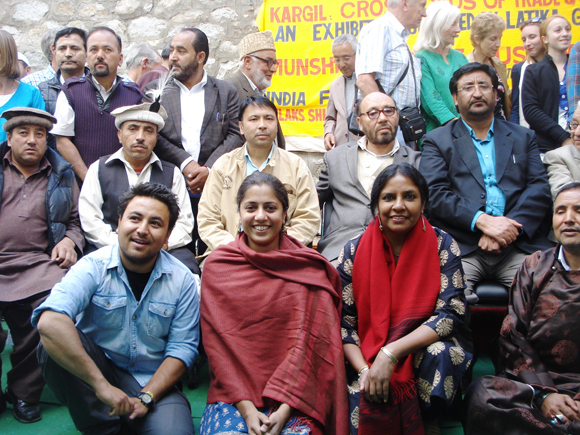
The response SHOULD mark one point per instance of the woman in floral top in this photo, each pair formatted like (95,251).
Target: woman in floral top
(403,315)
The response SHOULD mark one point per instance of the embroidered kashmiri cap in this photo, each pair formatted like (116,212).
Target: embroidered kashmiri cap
(27,116)
(140,112)
(256,42)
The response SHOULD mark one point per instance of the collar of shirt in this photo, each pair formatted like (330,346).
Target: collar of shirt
(562,259)
(120,155)
(397,26)
(362,143)
(104,93)
(44,163)
(250,166)
(194,88)
(476,139)
(254,87)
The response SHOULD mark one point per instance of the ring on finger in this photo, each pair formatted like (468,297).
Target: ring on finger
(558,419)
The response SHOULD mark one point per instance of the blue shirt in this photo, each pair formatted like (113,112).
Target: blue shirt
(485,149)
(25,96)
(136,335)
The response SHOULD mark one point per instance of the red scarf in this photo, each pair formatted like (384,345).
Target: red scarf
(393,299)
(271,330)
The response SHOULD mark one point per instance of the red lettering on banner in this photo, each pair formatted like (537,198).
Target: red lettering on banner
(537,3)
(466,5)
(363,8)
(344,6)
(306,67)
(291,115)
(297,14)
(316,115)
(493,4)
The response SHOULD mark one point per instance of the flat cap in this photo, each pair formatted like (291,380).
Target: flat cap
(256,42)
(27,116)
(140,112)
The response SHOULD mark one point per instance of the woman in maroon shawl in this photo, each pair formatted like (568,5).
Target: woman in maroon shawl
(271,327)
(402,296)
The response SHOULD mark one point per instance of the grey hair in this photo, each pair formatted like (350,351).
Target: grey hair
(137,52)
(346,38)
(393,4)
(440,16)
(47,40)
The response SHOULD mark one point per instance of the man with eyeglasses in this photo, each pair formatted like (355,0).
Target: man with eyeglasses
(563,164)
(347,178)
(342,93)
(258,64)
(487,185)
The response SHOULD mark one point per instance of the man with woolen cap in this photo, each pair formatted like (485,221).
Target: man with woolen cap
(258,64)
(40,238)
(134,163)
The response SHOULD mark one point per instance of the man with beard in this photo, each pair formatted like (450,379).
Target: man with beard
(347,178)
(70,53)
(86,129)
(202,113)
(258,64)
(487,185)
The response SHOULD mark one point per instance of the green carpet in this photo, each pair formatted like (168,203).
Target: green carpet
(56,420)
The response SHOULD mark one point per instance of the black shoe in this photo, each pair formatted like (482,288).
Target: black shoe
(23,411)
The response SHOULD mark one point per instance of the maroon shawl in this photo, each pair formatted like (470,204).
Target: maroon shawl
(271,330)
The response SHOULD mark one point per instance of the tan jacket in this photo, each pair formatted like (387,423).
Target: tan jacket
(336,121)
(563,165)
(218,218)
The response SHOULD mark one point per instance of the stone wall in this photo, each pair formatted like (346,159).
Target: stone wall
(155,21)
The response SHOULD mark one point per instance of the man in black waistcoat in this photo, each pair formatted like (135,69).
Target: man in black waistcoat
(134,163)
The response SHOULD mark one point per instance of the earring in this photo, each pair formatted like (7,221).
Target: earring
(240,228)
(423,218)
(380,225)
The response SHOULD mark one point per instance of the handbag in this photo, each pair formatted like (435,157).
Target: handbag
(411,122)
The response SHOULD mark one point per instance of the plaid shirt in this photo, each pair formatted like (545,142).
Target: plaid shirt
(573,79)
(387,35)
(38,77)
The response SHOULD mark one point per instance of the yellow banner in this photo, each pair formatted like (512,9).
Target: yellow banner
(303,33)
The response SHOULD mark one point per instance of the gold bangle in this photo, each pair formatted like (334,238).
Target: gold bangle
(364,369)
(392,357)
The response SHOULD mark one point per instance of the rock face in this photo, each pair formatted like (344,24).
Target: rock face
(152,21)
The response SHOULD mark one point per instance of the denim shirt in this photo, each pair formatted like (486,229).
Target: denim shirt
(485,150)
(136,335)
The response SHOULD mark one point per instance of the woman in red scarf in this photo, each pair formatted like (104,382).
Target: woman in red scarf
(271,327)
(403,312)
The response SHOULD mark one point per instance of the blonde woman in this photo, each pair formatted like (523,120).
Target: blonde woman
(535,52)
(486,32)
(438,62)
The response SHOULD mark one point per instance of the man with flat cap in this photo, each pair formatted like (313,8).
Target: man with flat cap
(40,238)
(135,162)
(258,64)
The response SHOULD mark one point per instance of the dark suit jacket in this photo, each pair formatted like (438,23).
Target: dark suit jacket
(219,133)
(245,90)
(457,189)
(516,74)
(347,210)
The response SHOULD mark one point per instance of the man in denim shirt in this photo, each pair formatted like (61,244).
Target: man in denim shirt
(137,326)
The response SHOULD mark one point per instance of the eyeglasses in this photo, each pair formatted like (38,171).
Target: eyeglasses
(375,113)
(484,88)
(270,62)
(342,59)
(574,125)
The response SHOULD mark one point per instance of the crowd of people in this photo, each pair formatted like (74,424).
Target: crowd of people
(152,222)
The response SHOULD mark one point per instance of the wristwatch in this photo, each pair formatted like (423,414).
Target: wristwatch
(146,399)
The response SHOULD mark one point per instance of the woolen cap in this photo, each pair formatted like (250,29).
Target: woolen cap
(256,42)
(27,116)
(140,112)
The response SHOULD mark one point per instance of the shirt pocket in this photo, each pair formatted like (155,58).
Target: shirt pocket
(160,317)
(109,311)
